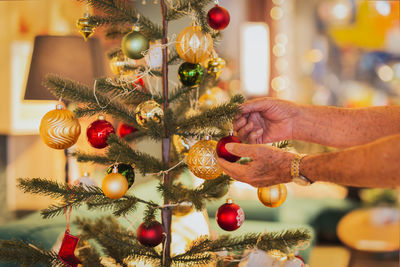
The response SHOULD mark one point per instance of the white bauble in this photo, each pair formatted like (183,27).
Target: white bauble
(85,181)
(154,56)
(293,262)
(260,258)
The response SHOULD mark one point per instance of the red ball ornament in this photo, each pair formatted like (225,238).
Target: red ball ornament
(98,132)
(125,129)
(138,83)
(218,18)
(230,216)
(150,235)
(221,150)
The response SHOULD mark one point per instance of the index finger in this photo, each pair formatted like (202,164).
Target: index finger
(235,170)
(254,105)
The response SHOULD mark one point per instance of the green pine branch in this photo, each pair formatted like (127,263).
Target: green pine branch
(85,157)
(181,94)
(89,255)
(117,32)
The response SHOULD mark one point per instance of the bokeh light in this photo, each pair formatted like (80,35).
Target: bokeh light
(314,55)
(280,83)
(340,10)
(385,73)
(281,64)
(383,7)
(276,13)
(281,38)
(279,50)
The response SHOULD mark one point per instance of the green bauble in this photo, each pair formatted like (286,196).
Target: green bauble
(190,74)
(126,170)
(134,44)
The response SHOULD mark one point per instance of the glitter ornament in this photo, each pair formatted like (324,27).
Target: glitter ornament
(125,129)
(126,170)
(150,235)
(272,196)
(86,26)
(114,185)
(202,159)
(59,129)
(190,74)
(194,46)
(121,65)
(98,132)
(218,18)
(230,216)
(215,66)
(222,152)
(149,111)
(134,44)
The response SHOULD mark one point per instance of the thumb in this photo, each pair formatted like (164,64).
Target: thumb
(241,150)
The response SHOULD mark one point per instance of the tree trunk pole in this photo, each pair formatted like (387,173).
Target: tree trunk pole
(166,214)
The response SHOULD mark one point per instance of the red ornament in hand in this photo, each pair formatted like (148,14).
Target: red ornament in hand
(67,249)
(218,18)
(98,132)
(125,129)
(221,150)
(150,235)
(230,216)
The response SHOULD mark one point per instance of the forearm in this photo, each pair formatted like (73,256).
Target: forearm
(376,164)
(342,127)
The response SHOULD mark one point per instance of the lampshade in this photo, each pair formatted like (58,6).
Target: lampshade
(68,56)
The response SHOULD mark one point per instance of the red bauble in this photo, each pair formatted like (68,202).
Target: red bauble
(138,83)
(221,150)
(151,235)
(98,132)
(125,129)
(218,18)
(300,258)
(230,216)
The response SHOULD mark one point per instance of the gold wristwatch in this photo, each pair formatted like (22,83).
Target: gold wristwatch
(295,171)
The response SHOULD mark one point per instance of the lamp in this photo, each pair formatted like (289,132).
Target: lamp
(68,56)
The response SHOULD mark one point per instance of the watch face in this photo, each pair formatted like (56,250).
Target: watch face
(301,181)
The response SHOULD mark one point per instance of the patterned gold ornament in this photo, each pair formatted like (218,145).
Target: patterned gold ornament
(119,64)
(181,144)
(272,196)
(193,45)
(114,185)
(215,66)
(86,26)
(149,111)
(59,128)
(182,210)
(202,160)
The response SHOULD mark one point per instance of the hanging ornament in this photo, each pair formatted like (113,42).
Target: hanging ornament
(218,18)
(126,170)
(98,132)
(230,216)
(59,128)
(293,262)
(154,55)
(202,159)
(67,250)
(193,45)
(300,258)
(86,26)
(272,196)
(190,74)
(215,66)
(221,150)
(85,181)
(134,44)
(125,129)
(150,235)
(149,111)
(121,65)
(114,184)
(208,100)
(183,209)
(181,144)
(259,258)
(138,84)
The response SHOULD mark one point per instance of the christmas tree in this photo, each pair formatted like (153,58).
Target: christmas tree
(146,114)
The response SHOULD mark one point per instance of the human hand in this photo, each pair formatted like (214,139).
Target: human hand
(265,120)
(269,165)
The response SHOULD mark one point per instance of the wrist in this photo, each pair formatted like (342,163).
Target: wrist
(302,122)
(295,171)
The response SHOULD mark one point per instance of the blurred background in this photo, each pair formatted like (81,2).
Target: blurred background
(324,52)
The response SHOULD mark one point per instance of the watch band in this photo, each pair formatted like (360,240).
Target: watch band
(295,171)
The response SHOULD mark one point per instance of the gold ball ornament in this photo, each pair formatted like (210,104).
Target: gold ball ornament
(86,26)
(119,65)
(114,185)
(148,111)
(272,196)
(215,66)
(182,210)
(193,45)
(208,100)
(202,160)
(59,128)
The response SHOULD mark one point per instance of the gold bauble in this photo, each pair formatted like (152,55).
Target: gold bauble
(272,196)
(119,64)
(202,160)
(114,185)
(181,144)
(86,26)
(208,100)
(193,45)
(215,66)
(149,111)
(183,209)
(59,128)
